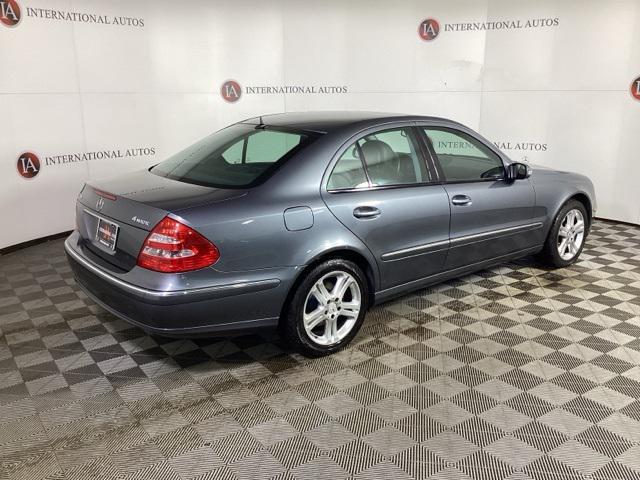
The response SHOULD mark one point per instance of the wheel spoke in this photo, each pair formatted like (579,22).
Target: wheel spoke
(319,291)
(563,246)
(323,290)
(570,247)
(344,286)
(350,313)
(350,309)
(563,232)
(340,285)
(313,319)
(578,227)
(573,249)
(331,331)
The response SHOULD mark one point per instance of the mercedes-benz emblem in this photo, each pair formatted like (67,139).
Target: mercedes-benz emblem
(99,204)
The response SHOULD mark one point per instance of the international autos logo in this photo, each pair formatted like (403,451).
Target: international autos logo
(429,29)
(28,165)
(231,91)
(635,88)
(10,13)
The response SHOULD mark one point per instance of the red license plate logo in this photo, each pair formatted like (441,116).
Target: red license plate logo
(107,234)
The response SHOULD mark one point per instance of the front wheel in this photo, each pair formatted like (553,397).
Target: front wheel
(327,308)
(566,236)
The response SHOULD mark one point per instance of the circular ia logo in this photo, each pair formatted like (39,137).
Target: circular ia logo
(28,165)
(429,29)
(635,88)
(10,13)
(231,91)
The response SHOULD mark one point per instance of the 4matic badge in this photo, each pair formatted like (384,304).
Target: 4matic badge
(136,219)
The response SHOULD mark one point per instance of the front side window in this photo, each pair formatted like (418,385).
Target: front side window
(462,157)
(237,156)
(390,158)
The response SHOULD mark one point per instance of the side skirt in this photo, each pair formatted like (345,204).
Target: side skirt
(399,290)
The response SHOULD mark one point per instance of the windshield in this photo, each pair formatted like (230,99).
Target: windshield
(235,157)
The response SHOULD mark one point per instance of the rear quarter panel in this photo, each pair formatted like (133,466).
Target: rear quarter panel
(250,231)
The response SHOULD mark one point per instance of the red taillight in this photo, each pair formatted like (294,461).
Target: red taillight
(173,247)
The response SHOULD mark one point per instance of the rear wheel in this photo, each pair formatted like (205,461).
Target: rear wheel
(327,308)
(566,236)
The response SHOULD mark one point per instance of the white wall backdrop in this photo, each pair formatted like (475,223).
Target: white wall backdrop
(76,84)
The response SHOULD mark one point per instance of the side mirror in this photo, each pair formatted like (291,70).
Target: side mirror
(518,171)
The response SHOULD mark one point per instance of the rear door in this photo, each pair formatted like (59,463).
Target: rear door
(381,188)
(490,217)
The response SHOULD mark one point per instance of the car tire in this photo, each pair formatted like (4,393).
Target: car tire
(555,254)
(333,329)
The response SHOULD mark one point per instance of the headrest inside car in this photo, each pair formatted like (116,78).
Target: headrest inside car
(377,151)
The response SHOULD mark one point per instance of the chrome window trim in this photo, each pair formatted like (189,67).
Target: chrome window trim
(382,187)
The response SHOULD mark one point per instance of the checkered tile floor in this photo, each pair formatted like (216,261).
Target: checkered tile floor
(514,372)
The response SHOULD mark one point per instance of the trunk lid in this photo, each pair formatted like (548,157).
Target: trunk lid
(126,208)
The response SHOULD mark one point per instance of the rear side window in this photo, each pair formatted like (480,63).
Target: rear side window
(237,156)
(348,172)
(462,157)
(390,157)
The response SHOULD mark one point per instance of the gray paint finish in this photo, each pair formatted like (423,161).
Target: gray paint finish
(298,218)
(274,230)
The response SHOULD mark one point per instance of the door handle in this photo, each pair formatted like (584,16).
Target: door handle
(461,200)
(366,212)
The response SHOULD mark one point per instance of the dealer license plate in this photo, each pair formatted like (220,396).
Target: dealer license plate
(107,233)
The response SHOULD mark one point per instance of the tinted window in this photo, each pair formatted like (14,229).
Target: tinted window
(234,153)
(238,156)
(462,157)
(270,146)
(348,172)
(391,158)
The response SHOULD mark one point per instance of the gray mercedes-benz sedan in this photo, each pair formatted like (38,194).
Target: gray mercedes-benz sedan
(303,220)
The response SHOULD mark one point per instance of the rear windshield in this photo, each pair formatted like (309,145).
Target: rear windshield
(235,157)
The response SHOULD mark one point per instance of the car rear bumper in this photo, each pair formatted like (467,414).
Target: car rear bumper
(234,307)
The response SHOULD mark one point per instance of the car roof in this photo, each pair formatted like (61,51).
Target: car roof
(328,121)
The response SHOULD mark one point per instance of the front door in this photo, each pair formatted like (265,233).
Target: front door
(381,189)
(490,217)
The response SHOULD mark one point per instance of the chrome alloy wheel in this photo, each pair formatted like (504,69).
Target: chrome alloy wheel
(571,234)
(332,307)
